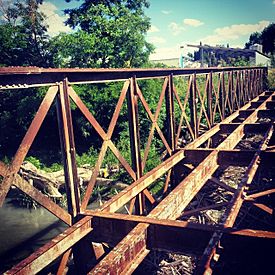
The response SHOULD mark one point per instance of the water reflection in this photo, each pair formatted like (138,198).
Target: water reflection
(22,231)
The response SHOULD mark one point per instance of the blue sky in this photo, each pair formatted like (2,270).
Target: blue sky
(176,23)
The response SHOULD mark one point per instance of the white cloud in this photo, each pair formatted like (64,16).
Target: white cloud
(153,29)
(166,53)
(192,22)
(53,19)
(175,28)
(233,32)
(156,40)
(273,2)
(166,11)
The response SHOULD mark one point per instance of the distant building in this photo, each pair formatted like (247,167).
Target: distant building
(259,58)
(218,56)
(209,56)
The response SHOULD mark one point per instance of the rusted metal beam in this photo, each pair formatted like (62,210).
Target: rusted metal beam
(232,211)
(135,246)
(193,105)
(222,94)
(124,258)
(170,116)
(67,144)
(203,138)
(261,194)
(118,224)
(138,186)
(53,249)
(263,207)
(13,78)
(172,206)
(134,132)
(27,142)
(225,157)
(210,99)
(198,210)
(248,128)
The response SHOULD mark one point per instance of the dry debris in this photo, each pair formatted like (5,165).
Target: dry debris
(162,263)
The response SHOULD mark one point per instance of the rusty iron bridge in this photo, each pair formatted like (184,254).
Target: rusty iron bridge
(218,108)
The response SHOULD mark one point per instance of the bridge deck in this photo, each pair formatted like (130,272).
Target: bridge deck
(105,241)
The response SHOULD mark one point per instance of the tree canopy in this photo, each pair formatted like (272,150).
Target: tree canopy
(266,38)
(23,37)
(115,30)
(107,33)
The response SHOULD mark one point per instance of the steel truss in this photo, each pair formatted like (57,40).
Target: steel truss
(229,109)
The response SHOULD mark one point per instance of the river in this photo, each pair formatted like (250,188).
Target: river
(23,230)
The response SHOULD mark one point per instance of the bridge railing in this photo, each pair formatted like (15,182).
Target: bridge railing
(189,102)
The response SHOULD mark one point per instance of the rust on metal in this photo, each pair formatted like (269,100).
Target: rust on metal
(239,104)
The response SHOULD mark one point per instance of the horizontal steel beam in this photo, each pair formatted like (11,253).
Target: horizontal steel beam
(172,206)
(11,77)
(53,249)
(172,235)
(225,157)
(138,186)
(229,216)
(248,128)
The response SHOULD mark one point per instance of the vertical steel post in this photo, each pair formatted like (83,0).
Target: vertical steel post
(231,90)
(238,89)
(249,97)
(222,94)
(68,149)
(210,100)
(242,88)
(170,115)
(264,79)
(252,84)
(132,102)
(259,79)
(170,122)
(193,106)
(82,251)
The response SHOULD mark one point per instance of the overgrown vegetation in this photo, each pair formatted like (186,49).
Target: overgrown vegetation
(271,79)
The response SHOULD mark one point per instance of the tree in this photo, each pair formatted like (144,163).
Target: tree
(255,38)
(116,32)
(23,38)
(74,50)
(107,34)
(266,38)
